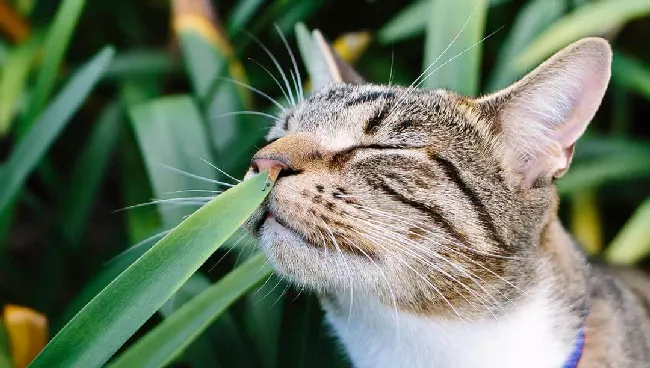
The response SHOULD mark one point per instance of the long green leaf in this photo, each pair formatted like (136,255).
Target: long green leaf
(631,73)
(172,136)
(5,351)
(633,241)
(89,170)
(452,54)
(590,19)
(169,338)
(531,20)
(117,312)
(31,149)
(15,71)
(411,21)
(605,170)
(56,44)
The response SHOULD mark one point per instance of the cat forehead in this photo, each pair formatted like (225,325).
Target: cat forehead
(342,115)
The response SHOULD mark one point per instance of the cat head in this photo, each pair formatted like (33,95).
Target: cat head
(429,200)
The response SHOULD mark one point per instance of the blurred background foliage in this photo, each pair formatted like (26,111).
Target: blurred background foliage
(107,104)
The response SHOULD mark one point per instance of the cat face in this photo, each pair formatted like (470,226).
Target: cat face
(433,202)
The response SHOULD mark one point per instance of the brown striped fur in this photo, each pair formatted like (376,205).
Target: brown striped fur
(427,200)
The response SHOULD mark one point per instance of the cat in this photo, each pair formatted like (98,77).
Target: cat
(426,221)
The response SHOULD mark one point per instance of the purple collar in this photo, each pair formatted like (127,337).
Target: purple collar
(578,348)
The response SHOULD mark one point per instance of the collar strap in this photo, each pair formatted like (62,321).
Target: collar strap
(578,348)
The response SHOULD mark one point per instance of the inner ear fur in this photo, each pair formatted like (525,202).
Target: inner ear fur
(540,117)
(328,66)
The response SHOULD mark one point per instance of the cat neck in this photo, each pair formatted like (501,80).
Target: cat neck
(540,331)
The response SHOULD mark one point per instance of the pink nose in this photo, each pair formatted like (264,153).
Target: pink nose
(261,164)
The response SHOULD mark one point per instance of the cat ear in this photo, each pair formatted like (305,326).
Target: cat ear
(540,117)
(328,66)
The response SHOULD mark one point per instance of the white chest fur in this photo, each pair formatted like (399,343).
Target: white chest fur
(375,337)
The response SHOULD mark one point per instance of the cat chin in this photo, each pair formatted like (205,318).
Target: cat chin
(307,265)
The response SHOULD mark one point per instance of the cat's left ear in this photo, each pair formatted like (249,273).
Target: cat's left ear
(328,67)
(539,118)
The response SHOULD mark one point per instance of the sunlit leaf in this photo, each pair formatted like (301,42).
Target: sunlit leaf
(168,339)
(452,53)
(58,38)
(590,19)
(117,312)
(531,20)
(632,243)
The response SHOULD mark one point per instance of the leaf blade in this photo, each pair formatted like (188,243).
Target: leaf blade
(116,313)
(169,338)
(50,123)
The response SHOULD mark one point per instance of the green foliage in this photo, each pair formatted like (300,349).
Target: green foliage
(164,125)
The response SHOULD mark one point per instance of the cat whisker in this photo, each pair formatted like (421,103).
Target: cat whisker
(275,80)
(428,232)
(441,243)
(298,82)
(221,171)
(258,113)
(277,66)
(193,191)
(350,273)
(417,273)
(198,177)
(171,201)
(413,85)
(383,275)
(255,90)
(458,55)
(400,241)
(227,252)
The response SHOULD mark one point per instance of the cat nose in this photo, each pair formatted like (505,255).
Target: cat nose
(261,164)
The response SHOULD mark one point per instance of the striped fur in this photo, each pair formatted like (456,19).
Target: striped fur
(436,209)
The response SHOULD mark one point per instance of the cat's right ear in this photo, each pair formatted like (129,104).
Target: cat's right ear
(539,118)
(328,67)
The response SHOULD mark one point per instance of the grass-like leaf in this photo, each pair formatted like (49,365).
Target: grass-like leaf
(56,44)
(117,312)
(631,73)
(167,340)
(15,71)
(172,136)
(633,242)
(452,53)
(531,20)
(32,147)
(590,19)
(89,171)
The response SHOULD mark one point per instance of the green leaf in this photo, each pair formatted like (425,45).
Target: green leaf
(15,71)
(589,19)
(89,170)
(452,54)
(606,170)
(531,20)
(117,312)
(172,136)
(411,21)
(31,149)
(108,273)
(5,349)
(632,243)
(242,13)
(56,44)
(169,338)
(631,73)
(140,63)
(305,47)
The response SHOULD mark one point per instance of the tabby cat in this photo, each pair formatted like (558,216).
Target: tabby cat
(427,224)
